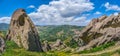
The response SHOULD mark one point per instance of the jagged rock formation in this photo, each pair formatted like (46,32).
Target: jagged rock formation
(46,46)
(58,45)
(101,30)
(2,45)
(23,32)
(78,40)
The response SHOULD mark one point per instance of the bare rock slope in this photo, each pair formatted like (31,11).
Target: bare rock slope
(23,32)
(2,45)
(101,30)
(58,45)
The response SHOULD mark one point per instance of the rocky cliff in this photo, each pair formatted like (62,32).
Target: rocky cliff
(100,30)
(23,32)
(2,45)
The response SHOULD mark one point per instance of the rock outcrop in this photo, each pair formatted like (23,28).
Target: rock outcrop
(58,45)
(78,40)
(46,46)
(100,31)
(23,32)
(2,45)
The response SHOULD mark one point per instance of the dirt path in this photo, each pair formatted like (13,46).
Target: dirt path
(111,49)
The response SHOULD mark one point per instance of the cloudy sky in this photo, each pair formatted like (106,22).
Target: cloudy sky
(59,12)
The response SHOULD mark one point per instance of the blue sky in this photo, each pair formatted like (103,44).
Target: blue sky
(59,12)
(7,7)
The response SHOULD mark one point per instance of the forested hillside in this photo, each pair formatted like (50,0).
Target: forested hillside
(52,32)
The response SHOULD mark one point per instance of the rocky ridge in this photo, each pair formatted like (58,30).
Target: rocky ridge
(100,31)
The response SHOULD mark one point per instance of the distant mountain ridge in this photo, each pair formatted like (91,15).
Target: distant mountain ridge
(58,31)
(4,26)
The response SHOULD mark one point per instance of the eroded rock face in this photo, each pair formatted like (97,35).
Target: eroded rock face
(2,45)
(101,30)
(46,46)
(58,45)
(78,40)
(23,32)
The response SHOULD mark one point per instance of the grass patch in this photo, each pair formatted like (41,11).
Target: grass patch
(106,54)
(111,53)
(99,48)
(13,50)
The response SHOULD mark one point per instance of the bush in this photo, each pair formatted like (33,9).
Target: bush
(11,45)
(71,43)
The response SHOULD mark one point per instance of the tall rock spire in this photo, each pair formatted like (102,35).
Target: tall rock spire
(23,32)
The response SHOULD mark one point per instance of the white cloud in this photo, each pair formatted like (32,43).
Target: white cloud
(62,12)
(112,7)
(97,12)
(31,6)
(80,19)
(5,20)
(71,7)
(116,13)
